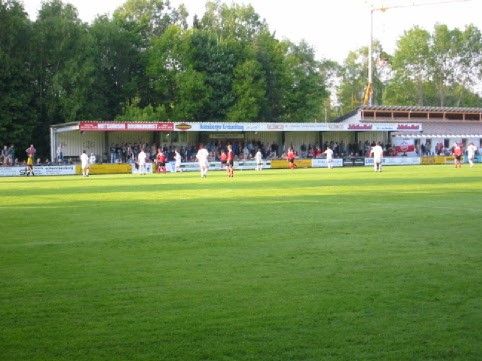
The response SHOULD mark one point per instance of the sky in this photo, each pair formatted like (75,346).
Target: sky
(332,27)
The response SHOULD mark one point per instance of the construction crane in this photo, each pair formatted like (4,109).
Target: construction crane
(368,94)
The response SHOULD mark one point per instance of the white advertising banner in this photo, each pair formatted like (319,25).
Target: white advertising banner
(149,168)
(38,170)
(295,127)
(322,163)
(395,161)
(238,165)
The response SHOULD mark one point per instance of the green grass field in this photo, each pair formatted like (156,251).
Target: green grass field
(313,264)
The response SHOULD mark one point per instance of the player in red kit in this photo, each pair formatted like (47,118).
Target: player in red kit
(230,161)
(161,161)
(223,158)
(457,152)
(291,158)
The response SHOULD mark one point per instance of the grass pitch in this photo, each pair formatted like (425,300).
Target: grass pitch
(313,264)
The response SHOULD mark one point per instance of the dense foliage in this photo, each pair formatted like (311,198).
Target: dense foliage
(146,63)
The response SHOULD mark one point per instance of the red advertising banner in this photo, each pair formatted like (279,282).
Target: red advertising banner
(126,126)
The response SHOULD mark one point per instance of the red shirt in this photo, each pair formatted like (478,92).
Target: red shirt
(458,152)
(223,157)
(161,158)
(230,155)
(291,155)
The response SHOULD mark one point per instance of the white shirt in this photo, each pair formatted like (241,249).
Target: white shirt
(92,159)
(177,158)
(329,154)
(202,156)
(259,157)
(377,152)
(84,159)
(142,158)
(471,151)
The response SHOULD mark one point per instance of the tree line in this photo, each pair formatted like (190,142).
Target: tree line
(145,62)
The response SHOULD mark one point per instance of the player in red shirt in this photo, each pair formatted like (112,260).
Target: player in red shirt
(291,158)
(230,161)
(223,159)
(457,152)
(161,161)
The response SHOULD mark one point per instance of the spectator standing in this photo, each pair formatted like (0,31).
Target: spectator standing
(377,152)
(60,154)
(11,152)
(5,155)
(92,158)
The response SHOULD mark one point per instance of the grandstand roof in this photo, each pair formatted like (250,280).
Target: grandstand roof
(418,114)
(421,108)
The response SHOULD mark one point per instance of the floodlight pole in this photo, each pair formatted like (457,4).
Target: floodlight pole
(370,60)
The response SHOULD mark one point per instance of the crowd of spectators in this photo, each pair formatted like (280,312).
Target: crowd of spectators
(127,152)
(8,156)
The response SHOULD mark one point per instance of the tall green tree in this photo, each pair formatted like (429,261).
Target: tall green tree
(117,59)
(270,53)
(17,113)
(249,89)
(235,22)
(307,86)
(440,69)
(64,68)
(142,21)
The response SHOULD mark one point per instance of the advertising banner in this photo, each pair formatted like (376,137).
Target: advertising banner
(126,126)
(322,163)
(216,166)
(110,168)
(354,162)
(149,168)
(38,170)
(395,161)
(296,127)
(284,164)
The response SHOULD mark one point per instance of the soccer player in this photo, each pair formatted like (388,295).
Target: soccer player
(30,166)
(178,160)
(377,152)
(202,157)
(259,160)
(457,152)
(291,158)
(141,161)
(223,158)
(85,163)
(230,161)
(161,161)
(329,157)
(471,149)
